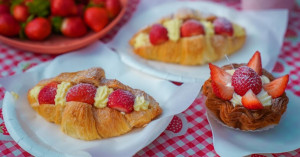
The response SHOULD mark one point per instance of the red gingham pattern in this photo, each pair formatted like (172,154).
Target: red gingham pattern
(195,136)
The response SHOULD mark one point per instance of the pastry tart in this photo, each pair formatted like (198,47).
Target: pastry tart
(245,96)
(88,106)
(189,37)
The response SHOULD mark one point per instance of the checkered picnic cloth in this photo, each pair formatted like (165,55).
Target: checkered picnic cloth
(189,133)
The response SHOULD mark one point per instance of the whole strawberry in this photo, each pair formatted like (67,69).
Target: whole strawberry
(20,13)
(96,18)
(4,8)
(121,100)
(63,7)
(38,29)
(244,79)
(9,26)
(113,7)
(73,27)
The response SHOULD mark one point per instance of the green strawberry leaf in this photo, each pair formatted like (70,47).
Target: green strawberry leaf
(39,8)
(56,23)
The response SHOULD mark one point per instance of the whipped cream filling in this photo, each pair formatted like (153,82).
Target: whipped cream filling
(263,96)
(140,103)
(173,27)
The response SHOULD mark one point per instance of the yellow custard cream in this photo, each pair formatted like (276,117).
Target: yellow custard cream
(34,92)
(61,92)
(238,30)
(209,28)
(173,27)
(263,96)
(140,103)
(101,97)
(142,39)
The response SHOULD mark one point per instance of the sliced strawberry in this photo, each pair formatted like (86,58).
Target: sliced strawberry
(191,27)
(158,34)
(255,63)
(47,94)
(277,87)
(121,100)
(244,79)
(82,92)
(250,101)
(223,27)
(222,91)
(219,75)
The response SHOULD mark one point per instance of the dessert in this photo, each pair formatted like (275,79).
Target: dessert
(189,37)
(88,106)
(245,96)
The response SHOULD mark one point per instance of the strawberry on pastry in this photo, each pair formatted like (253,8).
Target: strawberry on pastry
(250,101)
(121,100)
(255,63)
(223,27)
(277,87)
(47,93)
(191,27)
(158,34)
(82,92)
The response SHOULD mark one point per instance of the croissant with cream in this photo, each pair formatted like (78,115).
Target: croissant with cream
(189,38)
(88,106)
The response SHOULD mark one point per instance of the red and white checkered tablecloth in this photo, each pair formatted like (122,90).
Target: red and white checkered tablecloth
(189,133)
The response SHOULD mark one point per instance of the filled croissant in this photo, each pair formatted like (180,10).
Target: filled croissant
(88,106)
(189,38)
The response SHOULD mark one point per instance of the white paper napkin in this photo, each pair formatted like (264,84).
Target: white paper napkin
(264,33)
(41,138)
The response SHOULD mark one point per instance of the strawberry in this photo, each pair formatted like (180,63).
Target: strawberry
(82,92)
(38,29)
(20,13)
(158,34)
(250,101)
(97,2)
(47,94)
(63,7)
(96,18)
(222,91)
(9,26)
(80,10)
(244,79)
(223,27)
(121,100)
(3,129)
(73,27)
(255,63)
(219,75)
(4,9)
(113,7)
(277,87)
(191,27)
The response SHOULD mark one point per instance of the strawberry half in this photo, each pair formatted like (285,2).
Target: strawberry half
(47,94)
(191,28)
(219,75)
(158,34)
(222,26)
(222,91)
(277,87)
(250,101)
(255,63)
(244,79)
(82,92)
(121,100)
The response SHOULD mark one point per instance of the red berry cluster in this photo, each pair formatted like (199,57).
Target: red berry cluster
(37,19)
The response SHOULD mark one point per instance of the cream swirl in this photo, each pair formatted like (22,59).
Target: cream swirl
(101,97)
(140,103)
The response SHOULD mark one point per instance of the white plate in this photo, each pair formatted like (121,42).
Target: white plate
(41,138)
(284,137)
(264,33)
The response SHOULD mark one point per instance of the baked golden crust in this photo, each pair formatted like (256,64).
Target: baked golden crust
(195,50)
(85,121)
(239,116)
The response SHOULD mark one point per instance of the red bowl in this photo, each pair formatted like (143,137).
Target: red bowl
(58,44)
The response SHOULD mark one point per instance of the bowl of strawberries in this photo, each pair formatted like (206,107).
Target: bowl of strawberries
(57,26)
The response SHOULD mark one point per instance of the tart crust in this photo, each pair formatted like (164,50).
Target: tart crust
(240,117)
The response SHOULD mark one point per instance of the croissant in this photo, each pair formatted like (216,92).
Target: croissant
(88,106)
(189,48)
